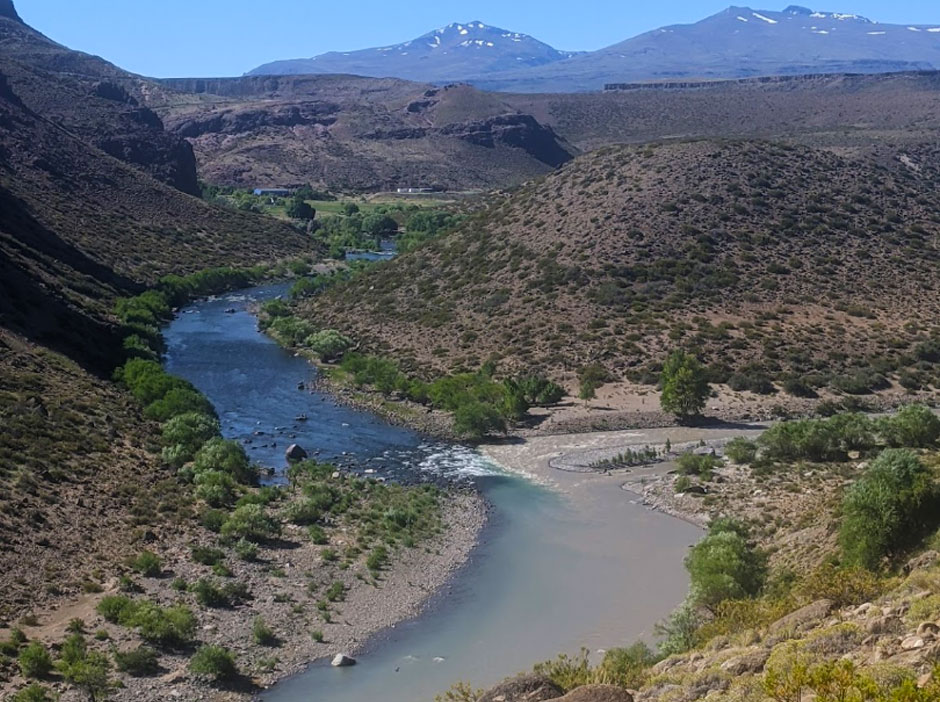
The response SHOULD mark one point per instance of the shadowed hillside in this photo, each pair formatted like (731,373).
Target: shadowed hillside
(87,217)
(768,260)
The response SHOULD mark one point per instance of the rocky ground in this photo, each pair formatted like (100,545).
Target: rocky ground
(287,583)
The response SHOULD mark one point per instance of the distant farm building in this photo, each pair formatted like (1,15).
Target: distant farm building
(415,191)
(272,192)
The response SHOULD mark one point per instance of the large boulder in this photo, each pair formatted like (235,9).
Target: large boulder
(597,693)
(341,660)
(928,559)
(750,662)
(525,688)
(295,452)
(803,618)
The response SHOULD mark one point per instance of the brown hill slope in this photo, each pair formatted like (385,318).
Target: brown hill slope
(363,133)
(357,133)
(831,110)
(795,260)
(78,481)
(117,215)
(95,100)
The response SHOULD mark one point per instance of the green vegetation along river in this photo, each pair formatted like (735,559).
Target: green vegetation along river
(553,571)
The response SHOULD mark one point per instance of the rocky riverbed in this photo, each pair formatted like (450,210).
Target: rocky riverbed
(286,585)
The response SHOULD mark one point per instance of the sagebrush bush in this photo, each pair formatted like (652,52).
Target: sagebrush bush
(148,564)
(138,662)
(215,662)
(741,451)
(34,660)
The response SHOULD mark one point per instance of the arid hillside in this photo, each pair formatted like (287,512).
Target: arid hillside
(770,261)
(357,133)
(81,225)
(850,112)
(351,133)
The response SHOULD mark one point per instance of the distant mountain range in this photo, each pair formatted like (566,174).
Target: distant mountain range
(736,43)
(450,54)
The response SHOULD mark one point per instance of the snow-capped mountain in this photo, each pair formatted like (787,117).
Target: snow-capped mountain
(741,42)
(456,52)
(736,43)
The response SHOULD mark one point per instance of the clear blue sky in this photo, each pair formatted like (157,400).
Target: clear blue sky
(165,38)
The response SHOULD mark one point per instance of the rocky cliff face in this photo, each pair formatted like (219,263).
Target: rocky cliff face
(8,10)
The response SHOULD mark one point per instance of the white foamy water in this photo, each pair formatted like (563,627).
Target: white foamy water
(454,461)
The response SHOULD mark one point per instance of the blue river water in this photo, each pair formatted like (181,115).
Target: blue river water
(555,570)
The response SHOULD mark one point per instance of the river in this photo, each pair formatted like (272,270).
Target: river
(555,570)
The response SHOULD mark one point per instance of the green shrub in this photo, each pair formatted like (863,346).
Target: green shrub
(262,634)
(11,646)
(860,383)
(139,662)
(914,426)
(35,661)
(741,451)
(225,456)
(185,434)
(116,608)
(215,662)
(698,464)
(34,692)
(818,439)
(250,522)
(214,519)
(679,629)
(725,565)
(626,667)
(73,650)
(177,401)
(682,484)
(317,635)
(590,378)
(377,558)
(328,344)
(845,586)
(317,535)
(215,487)
(246,550)
(206,555)
(336,592)
(148,564)
(886,508)
(170,627)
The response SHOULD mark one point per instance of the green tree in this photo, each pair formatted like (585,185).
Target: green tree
(476,419)
(892,503)
(298,208)
(724,565)
(329,344)
(685,385)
